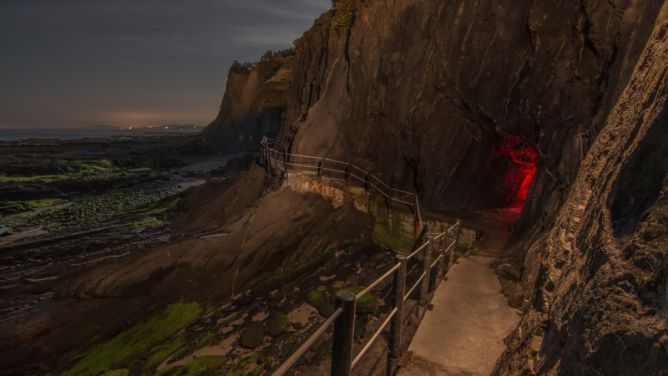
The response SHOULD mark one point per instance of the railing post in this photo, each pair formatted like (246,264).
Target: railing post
(396,326)
(344,331)
(441,264)
(347,171)
(426,269)
(455,237)
(367,183)
(458,232)
(416,215)
(268,152)
(319,170)
(285,163)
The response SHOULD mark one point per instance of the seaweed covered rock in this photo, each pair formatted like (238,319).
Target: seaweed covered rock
(252,336)
(318,299)
(277,324)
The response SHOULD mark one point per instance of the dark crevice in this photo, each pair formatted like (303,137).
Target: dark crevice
(639,183)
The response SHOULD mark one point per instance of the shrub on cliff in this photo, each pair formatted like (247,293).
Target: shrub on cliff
(345,14)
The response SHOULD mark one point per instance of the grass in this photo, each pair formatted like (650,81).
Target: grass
(137,341)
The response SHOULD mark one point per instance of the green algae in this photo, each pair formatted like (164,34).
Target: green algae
(137,341)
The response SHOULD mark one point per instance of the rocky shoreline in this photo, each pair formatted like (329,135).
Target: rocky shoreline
(68,205)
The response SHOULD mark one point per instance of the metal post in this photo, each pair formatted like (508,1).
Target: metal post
(458,232)
(319,170)
(416,216)
(367,183)
(285,162)
(455,236)
(426,269)
(268,151)
(441,264)
(347,171)
(344,331)
(396,326)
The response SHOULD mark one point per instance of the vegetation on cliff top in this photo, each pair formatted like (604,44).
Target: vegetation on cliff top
(270,58)
(345,14)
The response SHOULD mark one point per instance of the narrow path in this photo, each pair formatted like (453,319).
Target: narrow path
(463,334)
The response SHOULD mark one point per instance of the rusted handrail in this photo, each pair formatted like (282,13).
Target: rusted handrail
(378,281)
(373,338)
(280,371)
(343,318)
(282,159)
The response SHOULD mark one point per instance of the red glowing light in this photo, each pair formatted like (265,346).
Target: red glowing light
(524,160)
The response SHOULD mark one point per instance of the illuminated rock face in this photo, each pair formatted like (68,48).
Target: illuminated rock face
(423,92)
(253,103)
(522,159)
(493,104)
(595,281)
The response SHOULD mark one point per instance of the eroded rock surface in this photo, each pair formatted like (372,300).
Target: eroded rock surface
(596,281)
(253,103)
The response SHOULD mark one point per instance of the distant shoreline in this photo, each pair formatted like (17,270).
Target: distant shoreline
(21,134)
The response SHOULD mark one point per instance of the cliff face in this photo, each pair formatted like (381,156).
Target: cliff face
(597,280)
(253,104)
(427,93)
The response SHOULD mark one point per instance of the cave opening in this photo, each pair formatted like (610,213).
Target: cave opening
(523,159)
(511,172)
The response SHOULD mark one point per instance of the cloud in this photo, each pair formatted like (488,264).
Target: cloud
(62,56)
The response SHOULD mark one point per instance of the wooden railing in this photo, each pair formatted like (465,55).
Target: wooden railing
(433,256)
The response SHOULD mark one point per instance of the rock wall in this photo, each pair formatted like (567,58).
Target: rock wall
(422,92)
(253,104)
(597,281)
(394,226)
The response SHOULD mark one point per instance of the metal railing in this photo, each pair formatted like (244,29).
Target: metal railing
(282,162)
(344,359)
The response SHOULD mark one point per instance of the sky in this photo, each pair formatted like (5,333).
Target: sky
(73,63)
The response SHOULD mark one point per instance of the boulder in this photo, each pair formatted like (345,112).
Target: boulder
(252,336)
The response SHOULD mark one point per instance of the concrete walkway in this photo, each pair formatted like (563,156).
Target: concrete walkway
(463,334)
